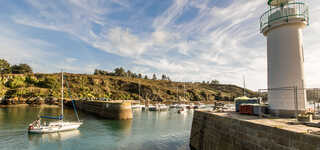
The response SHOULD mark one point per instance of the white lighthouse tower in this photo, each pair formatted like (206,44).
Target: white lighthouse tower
(282,24)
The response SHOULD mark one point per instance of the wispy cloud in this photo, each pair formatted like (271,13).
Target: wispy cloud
(186,39)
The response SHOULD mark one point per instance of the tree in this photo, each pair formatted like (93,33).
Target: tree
(98,72)
(145,77)
(21,69)
(140,75)
(4,67)
(119,72)
(163,77)
(129,73)
(134,75)
(154,77)
(215,82)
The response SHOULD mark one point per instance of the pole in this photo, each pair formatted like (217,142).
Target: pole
(139,92)
(244,86)
(260,105)
(178,94)
(296,100)
(62,93)
(184,90)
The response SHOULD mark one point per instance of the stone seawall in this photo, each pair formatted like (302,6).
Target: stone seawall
(117,110)
(230,131)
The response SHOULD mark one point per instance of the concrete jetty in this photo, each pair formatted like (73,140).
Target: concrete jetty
(232,131)
(117,110)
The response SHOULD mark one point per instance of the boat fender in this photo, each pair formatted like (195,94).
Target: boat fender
(30,127)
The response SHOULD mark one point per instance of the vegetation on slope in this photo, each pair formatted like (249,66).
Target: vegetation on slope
(120,84)
(26,86)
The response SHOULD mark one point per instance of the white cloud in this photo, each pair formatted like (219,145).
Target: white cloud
(70,60)
(17,49)
(160,37)
(88,68)
(170,15)
(221,43)
(121,42)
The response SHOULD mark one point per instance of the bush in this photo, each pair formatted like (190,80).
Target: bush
(21,69)
(31,80)
(48,82)
(4,66)
(2,90)
(16,82)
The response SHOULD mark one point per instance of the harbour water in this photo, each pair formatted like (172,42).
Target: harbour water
(148,130)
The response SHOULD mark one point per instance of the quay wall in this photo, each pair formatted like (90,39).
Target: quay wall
(214,132)
(116,110)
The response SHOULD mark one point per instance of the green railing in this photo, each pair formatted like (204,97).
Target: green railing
(294,10)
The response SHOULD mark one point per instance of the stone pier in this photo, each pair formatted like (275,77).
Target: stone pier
(117,110)
(232,131)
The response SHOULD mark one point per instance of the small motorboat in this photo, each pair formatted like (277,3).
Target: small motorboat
(163,107)
(137,106)
(191,106)
(182,110)
(153,108)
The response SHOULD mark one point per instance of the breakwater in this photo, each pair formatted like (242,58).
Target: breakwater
(232,131)
(117,110)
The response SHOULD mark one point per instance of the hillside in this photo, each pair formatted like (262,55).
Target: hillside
(26,86)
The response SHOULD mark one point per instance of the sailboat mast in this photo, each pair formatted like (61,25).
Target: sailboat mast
(139,91)
(184,90)
(178,94)
(244,86)
(62,93)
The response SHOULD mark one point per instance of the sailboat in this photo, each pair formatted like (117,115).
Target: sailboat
(56,126)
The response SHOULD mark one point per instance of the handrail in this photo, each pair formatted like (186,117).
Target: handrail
(298,9)
(273,8)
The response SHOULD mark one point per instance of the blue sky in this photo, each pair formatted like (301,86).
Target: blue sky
(189,40)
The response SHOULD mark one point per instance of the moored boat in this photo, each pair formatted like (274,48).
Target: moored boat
(57,126)
(181,110)
(163,107)
(153,108)
(51,127)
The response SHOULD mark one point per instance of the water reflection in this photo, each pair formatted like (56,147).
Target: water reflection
(122,126)
(37,139)
(147,130)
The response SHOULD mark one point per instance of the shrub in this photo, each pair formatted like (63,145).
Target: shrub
(21,69)
(48,82)
(16,82)
(32,80)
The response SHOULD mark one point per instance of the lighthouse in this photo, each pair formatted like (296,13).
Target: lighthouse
(282,25)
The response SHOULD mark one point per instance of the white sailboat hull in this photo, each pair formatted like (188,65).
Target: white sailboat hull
(58,126)
(55,127)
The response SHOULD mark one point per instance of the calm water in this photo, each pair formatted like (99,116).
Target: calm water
(148,130)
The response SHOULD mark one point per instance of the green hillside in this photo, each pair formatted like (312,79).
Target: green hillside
(26,86)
